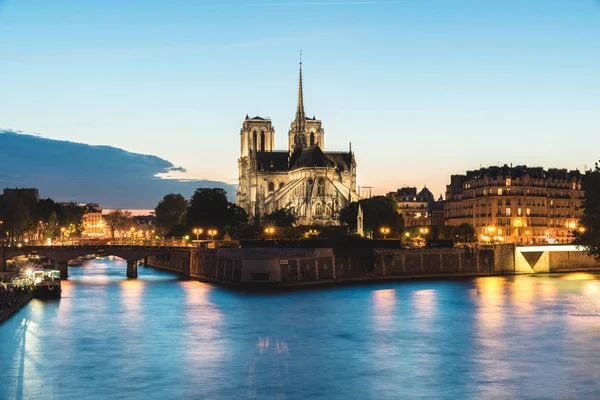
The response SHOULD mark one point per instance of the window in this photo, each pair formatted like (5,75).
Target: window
(507,210)
(508,181)
(262,141)
(321,187)
(519,212)
(254,139)
(318,209)
(499,191)
(312,138)
(271,187)
(281,184)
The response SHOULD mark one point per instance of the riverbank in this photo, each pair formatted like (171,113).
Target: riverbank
(12,298)
(286,268)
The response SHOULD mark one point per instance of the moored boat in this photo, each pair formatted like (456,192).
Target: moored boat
(46,284)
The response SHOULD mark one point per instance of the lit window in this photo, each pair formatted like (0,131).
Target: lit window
(507,210)
(519,212)
(499,192)
(528,211)
(507,181)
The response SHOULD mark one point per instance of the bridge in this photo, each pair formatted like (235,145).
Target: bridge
(552,258)
(63,254)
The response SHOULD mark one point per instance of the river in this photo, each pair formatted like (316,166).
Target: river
(159,337)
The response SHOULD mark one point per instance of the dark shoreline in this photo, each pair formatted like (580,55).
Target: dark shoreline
(10,312)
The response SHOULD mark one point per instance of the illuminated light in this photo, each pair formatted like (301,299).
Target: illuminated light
(579,276)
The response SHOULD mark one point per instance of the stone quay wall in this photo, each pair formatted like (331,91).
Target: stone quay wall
(298,266)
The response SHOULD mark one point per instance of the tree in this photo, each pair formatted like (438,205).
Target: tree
(52,229)
(378,212)
(118,220)
(588,235)
(280,218)
(15,216)
(170,211)
(465,233)
(209,209)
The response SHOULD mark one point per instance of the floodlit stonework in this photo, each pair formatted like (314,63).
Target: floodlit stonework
(516,205)
(313,183)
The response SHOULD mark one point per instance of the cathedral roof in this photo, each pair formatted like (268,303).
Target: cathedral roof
(312,156)
(272,161)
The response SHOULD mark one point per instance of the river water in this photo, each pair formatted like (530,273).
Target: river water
(159,337)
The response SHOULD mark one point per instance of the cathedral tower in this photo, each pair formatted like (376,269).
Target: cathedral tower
(304,132)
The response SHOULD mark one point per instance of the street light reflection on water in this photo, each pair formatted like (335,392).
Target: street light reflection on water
(162,337)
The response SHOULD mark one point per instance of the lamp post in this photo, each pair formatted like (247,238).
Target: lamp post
(384,231)
(197,231)
(269,231)
(212,233)
(526,237)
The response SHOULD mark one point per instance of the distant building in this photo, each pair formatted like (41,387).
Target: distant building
(29,193)
(144,225)
(516,205)
(93,223)
(412,205)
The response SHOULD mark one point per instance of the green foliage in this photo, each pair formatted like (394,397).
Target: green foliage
(170,212)
(280,218)
(118,220)
(52,228)
(465,233)
(209,209)
(16,217)
(589,235)
(378,212)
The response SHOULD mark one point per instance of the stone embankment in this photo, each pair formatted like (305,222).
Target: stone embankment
(288,267)
(13,296)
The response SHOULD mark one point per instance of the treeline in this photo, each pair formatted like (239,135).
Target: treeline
(27,217)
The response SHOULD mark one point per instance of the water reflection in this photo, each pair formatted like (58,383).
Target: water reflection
(160,337)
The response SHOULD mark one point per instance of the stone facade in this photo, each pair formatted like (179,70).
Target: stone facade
(312,183)
(516,205)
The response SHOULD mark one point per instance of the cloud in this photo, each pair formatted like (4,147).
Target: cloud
(69,171)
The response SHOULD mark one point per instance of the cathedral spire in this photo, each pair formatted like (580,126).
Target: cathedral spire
(300,116)
(299,124)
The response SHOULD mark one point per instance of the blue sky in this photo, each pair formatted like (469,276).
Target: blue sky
(423,88)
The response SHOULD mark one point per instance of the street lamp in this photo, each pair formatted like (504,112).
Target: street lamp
(385,230)
(197,231)
(269,230)
(212,233)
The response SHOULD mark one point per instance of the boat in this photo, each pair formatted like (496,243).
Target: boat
(46,284)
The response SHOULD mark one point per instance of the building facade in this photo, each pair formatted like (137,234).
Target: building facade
(412,206)
(93,223)
(516,205)
(312,183)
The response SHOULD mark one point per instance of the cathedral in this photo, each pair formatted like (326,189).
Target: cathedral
(312,183)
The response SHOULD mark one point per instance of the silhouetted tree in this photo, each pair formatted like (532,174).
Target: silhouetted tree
(378,212)
(588,234)
(209,209)
(118,220)
(279,218)
(170,211)
(465,233)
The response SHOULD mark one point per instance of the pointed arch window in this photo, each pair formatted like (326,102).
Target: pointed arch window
(281,185)
(312,138)
(321,187)
(318,209)
(262,141)
(254,140)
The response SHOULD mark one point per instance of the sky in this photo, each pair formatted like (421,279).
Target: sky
(422,88)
